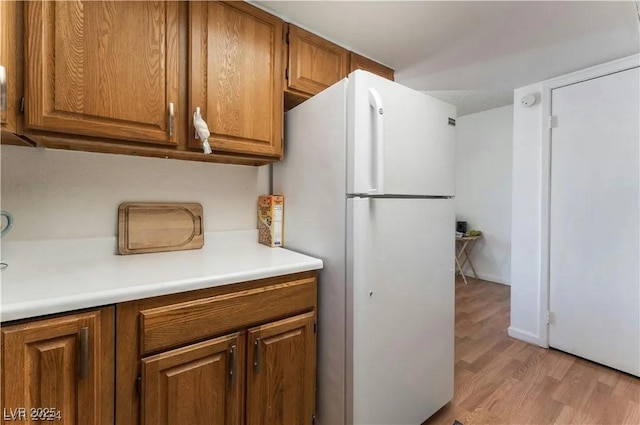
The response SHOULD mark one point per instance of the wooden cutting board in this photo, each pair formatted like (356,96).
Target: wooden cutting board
(156,227)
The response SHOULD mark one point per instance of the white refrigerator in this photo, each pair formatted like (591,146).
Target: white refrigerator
(368,180)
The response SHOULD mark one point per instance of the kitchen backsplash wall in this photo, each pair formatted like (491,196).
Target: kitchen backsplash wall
(66,194)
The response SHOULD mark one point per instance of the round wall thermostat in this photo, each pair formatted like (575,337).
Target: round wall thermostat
(528,100)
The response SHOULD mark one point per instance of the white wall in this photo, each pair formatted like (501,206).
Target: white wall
(530,202)
(526,236)
(483,187)
(66,194)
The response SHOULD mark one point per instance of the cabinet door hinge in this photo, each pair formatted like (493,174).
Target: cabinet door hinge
(315,327)
(139,385)
(553,121)
(313,419)
(286,74)
(22,105)
(287,37)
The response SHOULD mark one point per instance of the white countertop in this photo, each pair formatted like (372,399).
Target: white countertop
(53,276)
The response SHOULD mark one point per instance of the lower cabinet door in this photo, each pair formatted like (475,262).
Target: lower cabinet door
(201,384)
(281,372)
(59,370)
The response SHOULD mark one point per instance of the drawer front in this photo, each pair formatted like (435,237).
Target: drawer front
(182,323)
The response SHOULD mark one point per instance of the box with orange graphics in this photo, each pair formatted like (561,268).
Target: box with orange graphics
(270,220)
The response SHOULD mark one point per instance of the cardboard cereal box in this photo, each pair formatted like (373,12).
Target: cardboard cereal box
(270,220)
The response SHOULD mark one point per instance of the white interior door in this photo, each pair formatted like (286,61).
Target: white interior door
(400,309)
(594,223)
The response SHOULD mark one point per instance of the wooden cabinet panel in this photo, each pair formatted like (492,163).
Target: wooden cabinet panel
(281,372)
(199,324)
(360,62)
(313,63)
(235,77)
(105,69)
(10,47)
(176,324)
(202,384)
(63,363)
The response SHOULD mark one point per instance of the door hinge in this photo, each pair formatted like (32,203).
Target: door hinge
(553,121)
(139,385)
(315,327)
(549,317)
(286,74)
(22,105)
(313,419)
(287,37)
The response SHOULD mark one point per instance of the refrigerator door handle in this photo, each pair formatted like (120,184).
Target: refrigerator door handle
(375,101)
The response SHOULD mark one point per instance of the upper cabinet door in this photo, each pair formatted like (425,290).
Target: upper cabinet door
(8,63)
(235,77)
(106,69)
(314,63)
(360,62)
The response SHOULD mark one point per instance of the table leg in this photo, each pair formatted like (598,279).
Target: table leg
(462,255)
(464,278)
(471,246)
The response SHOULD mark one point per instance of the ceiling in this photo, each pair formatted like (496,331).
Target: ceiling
(473,47)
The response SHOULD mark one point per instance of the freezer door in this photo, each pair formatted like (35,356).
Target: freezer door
(400,309)
(400,141)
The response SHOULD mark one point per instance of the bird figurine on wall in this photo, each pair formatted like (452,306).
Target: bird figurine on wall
(202,131)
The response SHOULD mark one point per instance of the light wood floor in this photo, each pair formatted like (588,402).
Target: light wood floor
(500,380)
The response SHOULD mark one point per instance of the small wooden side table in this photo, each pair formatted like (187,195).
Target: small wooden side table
(464,246)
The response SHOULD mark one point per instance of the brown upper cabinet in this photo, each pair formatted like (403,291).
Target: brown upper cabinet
(8,64)
(313,63)
(127,76)
(106,69)
(235,77)
(11,73)
(360,62)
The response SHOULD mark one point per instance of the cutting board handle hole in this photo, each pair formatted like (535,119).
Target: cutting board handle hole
(197,226)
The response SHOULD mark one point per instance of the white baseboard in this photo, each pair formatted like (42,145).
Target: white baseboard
(489,277)
(525,336)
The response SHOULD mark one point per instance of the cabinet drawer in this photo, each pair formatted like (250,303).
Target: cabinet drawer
(178,324)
